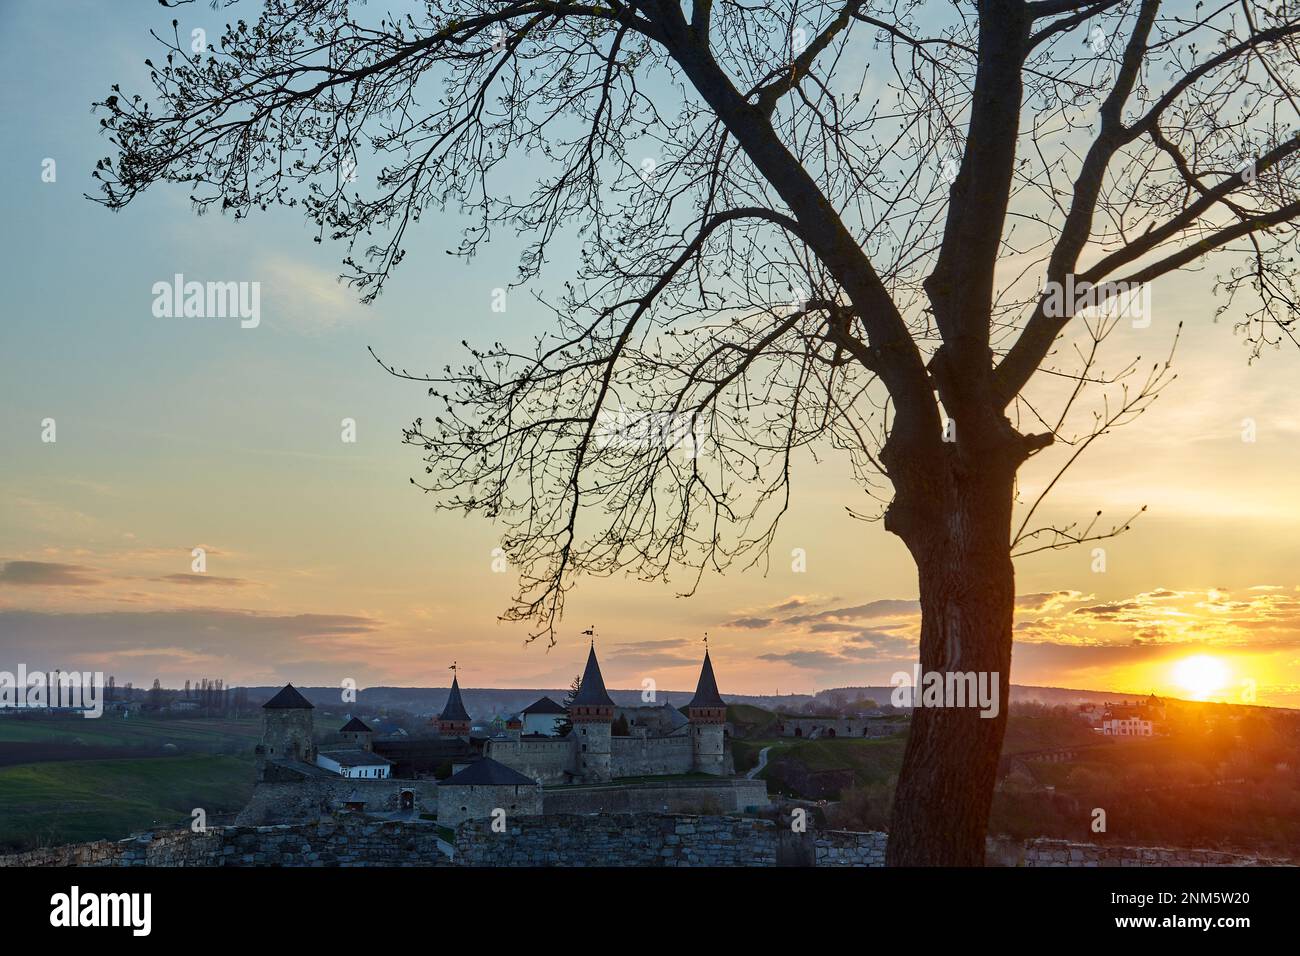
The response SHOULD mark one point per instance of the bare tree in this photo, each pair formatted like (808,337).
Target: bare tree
(806,226)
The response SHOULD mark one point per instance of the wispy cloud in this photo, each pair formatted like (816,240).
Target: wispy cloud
(47,574)
(860,612)
(306,297)
(202,580)
(226,640)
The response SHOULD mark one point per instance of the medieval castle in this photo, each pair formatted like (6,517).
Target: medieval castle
(458,773)
(592,754)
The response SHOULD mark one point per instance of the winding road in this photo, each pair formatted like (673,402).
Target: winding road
(758,767)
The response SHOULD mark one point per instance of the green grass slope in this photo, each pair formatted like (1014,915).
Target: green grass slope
(187,734)
(52,803)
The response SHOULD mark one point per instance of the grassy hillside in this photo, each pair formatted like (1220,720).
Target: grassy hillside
(1026,734)
(1234,786)
(51,803)
(750,721)
(66,779)
(1207,790)
(187,734)
(823,768)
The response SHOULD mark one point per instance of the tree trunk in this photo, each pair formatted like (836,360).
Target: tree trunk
(967,588)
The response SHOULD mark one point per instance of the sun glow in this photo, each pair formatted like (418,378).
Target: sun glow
(1201,675)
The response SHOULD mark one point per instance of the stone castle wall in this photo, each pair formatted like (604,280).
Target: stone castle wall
(1064,853)
(544,760)
(344,842)
(168,848)
(458,804)
(316,798)
(649,756)
(552,762)
(848,848)
(685,796)
(619,840)
(313,799)
(643,839)
(661,840)
(842,726)
(616,839)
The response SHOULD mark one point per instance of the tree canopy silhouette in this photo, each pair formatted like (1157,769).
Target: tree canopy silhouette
(805,226)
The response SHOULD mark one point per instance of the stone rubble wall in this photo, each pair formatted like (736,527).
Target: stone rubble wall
(619,839)
(311,800)
(696,797)
(847,848)
(331,843)
(1063,853)
(638,839)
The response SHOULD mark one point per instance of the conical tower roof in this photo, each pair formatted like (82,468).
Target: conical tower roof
(592,692)
(455,707)
(706,691)
(288,698)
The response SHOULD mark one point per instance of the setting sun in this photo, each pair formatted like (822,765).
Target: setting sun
(1202,675)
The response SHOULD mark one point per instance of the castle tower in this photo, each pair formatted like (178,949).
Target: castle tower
(707,712)
(357,733)
(514,726)
(592,713)
(287,732)
(454,719)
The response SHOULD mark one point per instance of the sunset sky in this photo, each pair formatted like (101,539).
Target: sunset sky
(324,563)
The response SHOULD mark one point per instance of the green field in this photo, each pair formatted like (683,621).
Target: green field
(212,736)
(70,801)
(750,721)
(873,760)
(68,779)
(856,760)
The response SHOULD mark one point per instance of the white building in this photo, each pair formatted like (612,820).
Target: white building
(1127,727)
(355,764)
(542,717)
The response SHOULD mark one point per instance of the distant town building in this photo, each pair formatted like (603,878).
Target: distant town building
(1125,718)
(1127,727)
(388,728)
